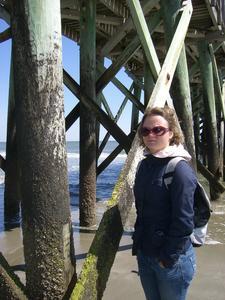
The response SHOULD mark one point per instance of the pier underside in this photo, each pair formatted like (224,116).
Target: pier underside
(174,53)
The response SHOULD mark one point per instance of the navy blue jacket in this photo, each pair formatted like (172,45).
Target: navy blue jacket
(164,216)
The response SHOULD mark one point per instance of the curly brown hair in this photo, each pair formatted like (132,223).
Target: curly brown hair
(170,116)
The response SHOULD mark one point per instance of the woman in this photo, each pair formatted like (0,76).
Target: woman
(165,255)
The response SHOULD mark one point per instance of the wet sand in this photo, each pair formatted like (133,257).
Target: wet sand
(123,283)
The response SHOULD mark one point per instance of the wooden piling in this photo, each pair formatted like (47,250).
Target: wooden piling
(148,82)
(135,111)
(180,89)
(47,230)
(206,70)
(87,118)
(12,196)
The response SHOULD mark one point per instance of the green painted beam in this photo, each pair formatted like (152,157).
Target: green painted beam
(95,272)
(162,87)
(107,122)
(135,111)
(125,91)
(5,35)
(180,88)
(206,69)
(144,35)
(106,138)
(125,28)
(128,52)
(72,116)
(217,81)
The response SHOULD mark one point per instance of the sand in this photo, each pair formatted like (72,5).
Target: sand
(123,283)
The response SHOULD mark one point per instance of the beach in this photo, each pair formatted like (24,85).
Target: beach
(123,283)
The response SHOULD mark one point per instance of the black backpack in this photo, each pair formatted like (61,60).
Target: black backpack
(202,207)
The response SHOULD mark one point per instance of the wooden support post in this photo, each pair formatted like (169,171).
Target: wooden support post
(47,231)
(206,70)
(135,111)
(95,271)
(12,196)
(5,35)
(180,89)
(125,91)
(112,156)
(125,55)
(125,28)
(148,82)
(217,85)
(107,136)
(87,117)
(107,122)
(72,116)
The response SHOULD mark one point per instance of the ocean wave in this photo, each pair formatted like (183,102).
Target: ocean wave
(103,155)
(2,179)
(3,154)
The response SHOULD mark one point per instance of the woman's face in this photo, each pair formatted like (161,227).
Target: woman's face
(158,138)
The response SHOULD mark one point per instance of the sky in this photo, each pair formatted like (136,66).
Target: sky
(70,51)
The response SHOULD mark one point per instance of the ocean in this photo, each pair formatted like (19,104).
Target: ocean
(105,181)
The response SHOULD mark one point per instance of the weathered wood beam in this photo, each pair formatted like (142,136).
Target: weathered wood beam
(12,193)
(137,80)
(145,38)
(193,70)
(128,52)
(2,163)
(206,69)
(124,90)
(135,111)
(72,116)
(191,54)
(117,7)
(213,15)
(213,180)
(217,46)
(95,271)
(75,114)
(4,14)
(180,89)
(124,29)
(106,138)
(74,14)
(112,156)
(148,82)
(193,34)
(171,59)
(10,284)
(212,12)
(218,87)
(215,36)
(108,123)
(106,105)
(5,35)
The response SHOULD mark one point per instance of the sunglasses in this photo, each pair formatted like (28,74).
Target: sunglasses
(157,131)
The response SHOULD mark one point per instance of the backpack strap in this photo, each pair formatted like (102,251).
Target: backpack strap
(170,168)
